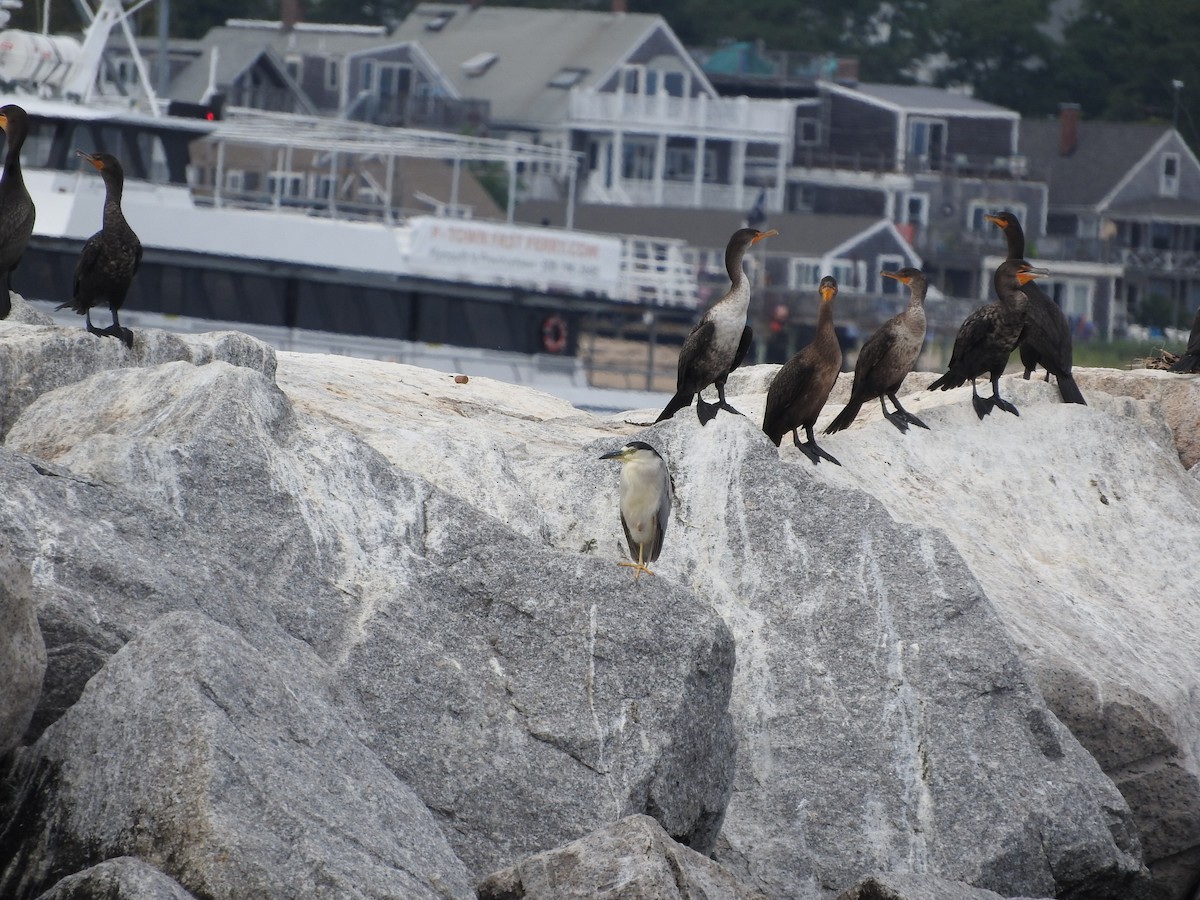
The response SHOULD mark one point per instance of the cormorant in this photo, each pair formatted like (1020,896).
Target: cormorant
(802,385)
(16,206)
(988,336)
(718,343)
(111,256)
(888,356)
(1047,338)
(646,493)
(1190,360)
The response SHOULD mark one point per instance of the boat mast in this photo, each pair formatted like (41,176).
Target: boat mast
(80,83)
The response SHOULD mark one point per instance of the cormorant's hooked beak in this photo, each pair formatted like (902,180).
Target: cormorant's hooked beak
(1028,274)
(764,234)
(996,220)
(905,279)
(95,162)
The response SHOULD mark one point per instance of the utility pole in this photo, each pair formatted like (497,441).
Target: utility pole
(1176,84)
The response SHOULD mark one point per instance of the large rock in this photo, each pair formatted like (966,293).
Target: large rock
(123,878)
(873,675)
(1177,396)
(1083,528)
(521,691)
(22,651)
(40,358)
(631,858)
(916,887)
(221,766)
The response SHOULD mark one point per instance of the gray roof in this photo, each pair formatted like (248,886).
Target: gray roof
(1160,209)
(923,99)
(800,234)
(1105,152)
(531,46)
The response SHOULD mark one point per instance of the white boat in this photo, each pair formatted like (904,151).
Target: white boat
(313,241)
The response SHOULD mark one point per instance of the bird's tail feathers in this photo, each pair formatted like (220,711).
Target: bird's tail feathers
(681,400)
(5,304)
(947,382)
(845,417)
(1070,390)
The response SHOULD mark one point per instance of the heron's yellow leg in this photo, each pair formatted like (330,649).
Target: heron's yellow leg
(640,566)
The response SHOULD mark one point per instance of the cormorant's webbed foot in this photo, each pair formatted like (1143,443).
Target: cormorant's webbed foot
(124,335)
(705,411)
(908,417)
(898,419)
(810,449)
(722,403)
(983,405)
(1005,405)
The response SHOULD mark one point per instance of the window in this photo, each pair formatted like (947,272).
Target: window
(680,164)
(849,274)
(675,84)
(479,63)
(808,132)
(294,66)
(285,184)
(890,263)
(804,274)
(331,74)
(633,79)
(637,160)
(915,209)
(235,179)
(368,75)
(926,143)
(1074,297)
(567,78)
(1168,184)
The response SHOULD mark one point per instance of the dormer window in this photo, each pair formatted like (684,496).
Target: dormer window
(1168,184)
(567,78)
(479,63)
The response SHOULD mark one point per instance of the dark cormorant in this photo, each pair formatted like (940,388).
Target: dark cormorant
(16,206)
(718,343)
(988,336)
(111,256)
(802,385)
(1190,361)
(646,494)
(1047,338)
(888,356)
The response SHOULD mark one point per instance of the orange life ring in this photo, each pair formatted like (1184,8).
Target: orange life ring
(554,333)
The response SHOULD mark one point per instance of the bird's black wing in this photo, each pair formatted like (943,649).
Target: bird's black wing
(89,260)
(973,335)
(691,354)
(875,349)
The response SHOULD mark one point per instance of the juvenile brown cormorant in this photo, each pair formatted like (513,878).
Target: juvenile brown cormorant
(646,494)
(1190,361)
(988,336)
(718,343)
(802,385)
(111,256)
(1047,338)
(888,356)
(16,206)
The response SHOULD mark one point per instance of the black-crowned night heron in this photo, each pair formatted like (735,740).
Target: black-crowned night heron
(646,494)
(718,343)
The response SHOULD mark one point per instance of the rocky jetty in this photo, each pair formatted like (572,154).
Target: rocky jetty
(285,625)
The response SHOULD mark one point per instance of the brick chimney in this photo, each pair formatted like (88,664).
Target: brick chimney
(620,6)
(1068,128)
(290,13)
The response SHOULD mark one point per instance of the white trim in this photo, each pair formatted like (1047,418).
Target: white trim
(881,225)
(698,76)
(1106,201)
(997,113)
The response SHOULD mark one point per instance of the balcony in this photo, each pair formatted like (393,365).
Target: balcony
(737,118)
(876,161)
